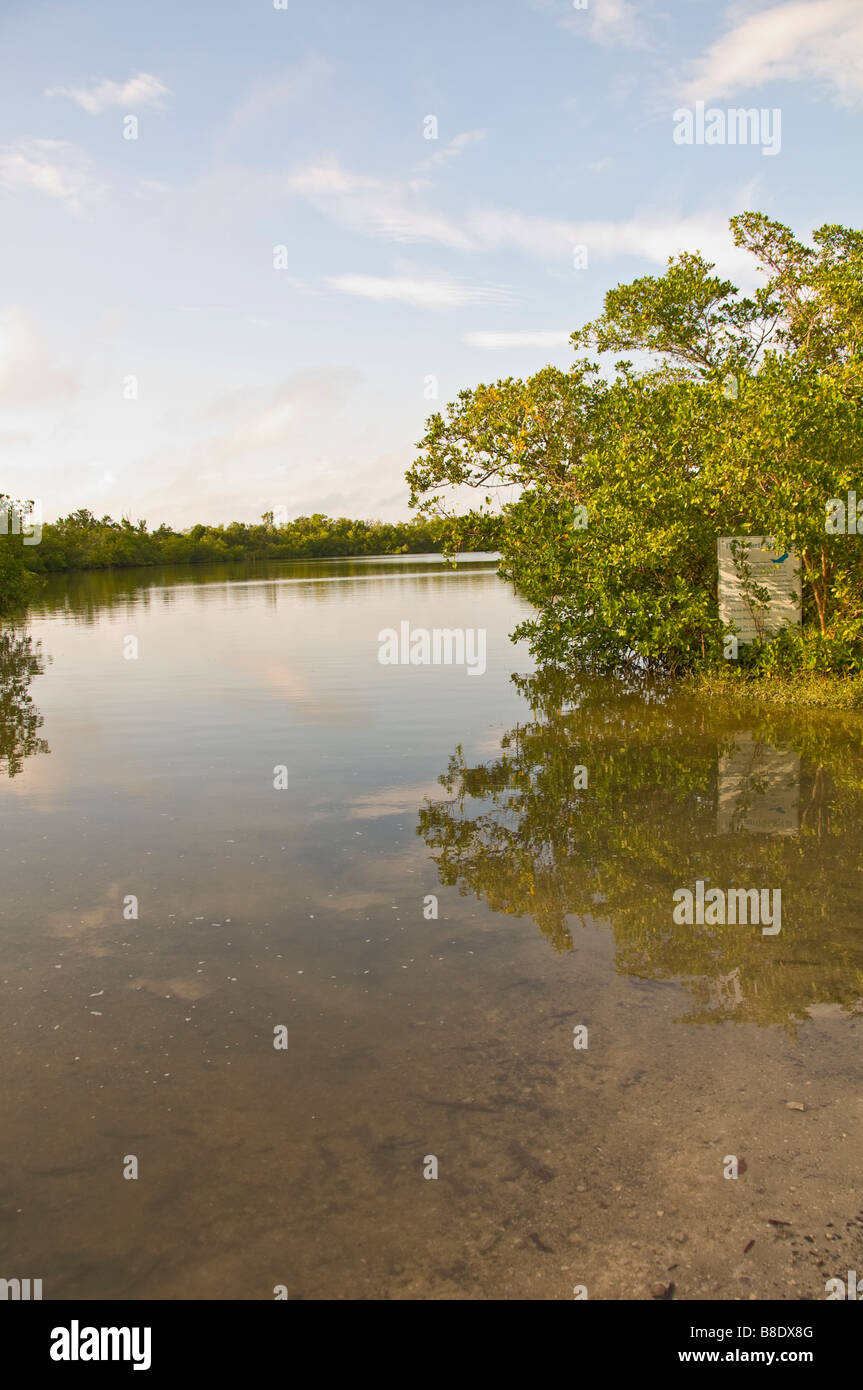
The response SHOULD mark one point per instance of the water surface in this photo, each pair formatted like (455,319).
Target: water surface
(410,1035)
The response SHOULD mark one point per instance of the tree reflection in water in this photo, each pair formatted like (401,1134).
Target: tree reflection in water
(20,721)
(677,791)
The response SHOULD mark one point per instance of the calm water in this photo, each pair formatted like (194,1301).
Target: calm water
(151,1036)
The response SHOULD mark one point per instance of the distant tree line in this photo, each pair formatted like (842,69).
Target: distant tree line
(82,541)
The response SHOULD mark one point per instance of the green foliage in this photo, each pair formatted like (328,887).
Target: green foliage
(17,584)
(745,423)
(687,314)
(81,542)
(796,690)
(804,649)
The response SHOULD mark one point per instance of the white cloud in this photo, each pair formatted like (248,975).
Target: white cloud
(542,338)
(455,149)
(343,481)
(612,22)
(298,83)
(270,423)
(806,40)
(387,209)
(647,237)
(422,292)
(391,211)
(28,374)
(48,166)
(142,90)
(615,21)
(272,426)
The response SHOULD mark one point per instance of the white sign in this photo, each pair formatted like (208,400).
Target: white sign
(759,586)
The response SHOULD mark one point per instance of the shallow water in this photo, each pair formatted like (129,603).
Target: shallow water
(410,1036)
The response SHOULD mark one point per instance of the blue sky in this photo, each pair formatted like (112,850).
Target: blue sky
(306,386)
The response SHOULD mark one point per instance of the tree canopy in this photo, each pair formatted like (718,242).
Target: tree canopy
(610,486)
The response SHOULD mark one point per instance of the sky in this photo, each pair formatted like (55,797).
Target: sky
(246,250)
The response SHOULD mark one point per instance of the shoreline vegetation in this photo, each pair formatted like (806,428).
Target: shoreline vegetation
(709,413)
(604,489)
(801,691)
(81,543)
